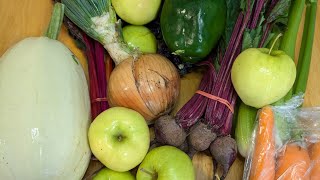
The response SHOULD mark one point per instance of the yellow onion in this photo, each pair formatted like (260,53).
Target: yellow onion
(149,85)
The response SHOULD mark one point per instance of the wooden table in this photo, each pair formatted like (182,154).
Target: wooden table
(23,18)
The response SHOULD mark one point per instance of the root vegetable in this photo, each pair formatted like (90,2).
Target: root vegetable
(293,163)
(224,151)
(149,85)
(201,136)
(168,132)
(315,158)
(263,158)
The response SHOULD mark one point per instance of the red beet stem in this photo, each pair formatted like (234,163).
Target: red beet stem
(190,113)
(101,74)
(265,34)
(256,13)
(218,115)
(93,82)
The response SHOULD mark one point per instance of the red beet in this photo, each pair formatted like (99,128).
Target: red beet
(201,136)
(224,151)
(167,131)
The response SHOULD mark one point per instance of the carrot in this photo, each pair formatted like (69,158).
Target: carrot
(293,164)
(315,160)
(263,159)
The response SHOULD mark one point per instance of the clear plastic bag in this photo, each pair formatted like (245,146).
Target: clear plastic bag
(285,143)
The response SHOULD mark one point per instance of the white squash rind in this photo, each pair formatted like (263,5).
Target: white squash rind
(44,112)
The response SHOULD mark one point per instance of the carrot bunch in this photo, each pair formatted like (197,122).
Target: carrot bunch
(293,161)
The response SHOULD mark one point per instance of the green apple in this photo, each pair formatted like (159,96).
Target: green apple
(119,138)
(108,174)
(261,78)
(140,37)
(136,12)
(166,162)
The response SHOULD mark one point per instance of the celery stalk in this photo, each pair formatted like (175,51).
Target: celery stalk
(288,42)
(306,48)
(244,128)
(303,64)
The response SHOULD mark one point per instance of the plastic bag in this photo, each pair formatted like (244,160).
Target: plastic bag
(285,143)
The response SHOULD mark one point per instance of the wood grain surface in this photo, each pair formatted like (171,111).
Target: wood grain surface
(24,18)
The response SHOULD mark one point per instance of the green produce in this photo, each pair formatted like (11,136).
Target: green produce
(164,163)
(288,42)
(108,174)
(119,138)
(140,37)
(261,76)
(137,12)
(244,128)
(305,53)
(192,29)
(45,109)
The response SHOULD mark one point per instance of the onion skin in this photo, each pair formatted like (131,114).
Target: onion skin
(149,85)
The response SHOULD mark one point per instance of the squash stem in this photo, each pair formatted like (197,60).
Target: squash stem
(55,22)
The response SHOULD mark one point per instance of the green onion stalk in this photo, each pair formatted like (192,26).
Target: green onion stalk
(98,19)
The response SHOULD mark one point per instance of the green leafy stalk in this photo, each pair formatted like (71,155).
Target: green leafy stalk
(288,42)
(306,48)
(55,22)
(289,39)
(98,20)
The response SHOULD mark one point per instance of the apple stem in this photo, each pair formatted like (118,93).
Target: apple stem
(274,42)
(154,176)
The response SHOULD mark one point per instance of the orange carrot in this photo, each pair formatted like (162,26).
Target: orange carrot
(293,163)
(315,160)
(263,160)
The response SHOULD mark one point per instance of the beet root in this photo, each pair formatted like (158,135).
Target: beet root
(224,151)
(201,136)
(167,131)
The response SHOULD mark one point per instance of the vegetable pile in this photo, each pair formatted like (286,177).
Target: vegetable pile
(231,56)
